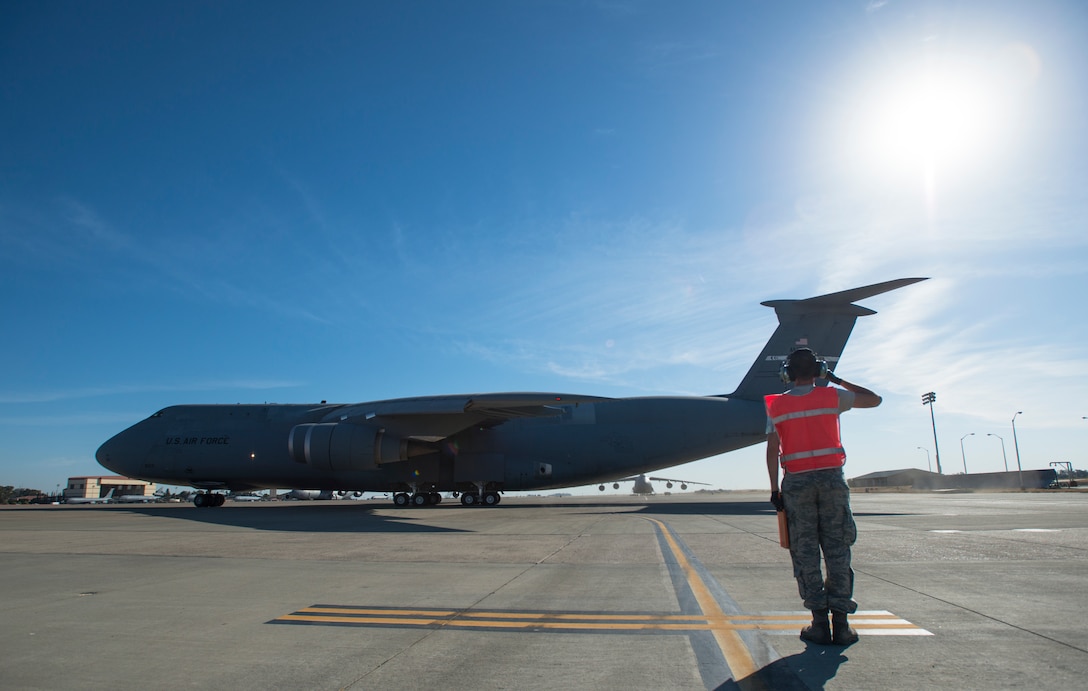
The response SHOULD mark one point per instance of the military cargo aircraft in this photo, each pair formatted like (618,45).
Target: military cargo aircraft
(642,485)
(477,445)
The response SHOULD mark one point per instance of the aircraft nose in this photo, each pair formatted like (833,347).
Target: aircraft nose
(110,456)
(127,452)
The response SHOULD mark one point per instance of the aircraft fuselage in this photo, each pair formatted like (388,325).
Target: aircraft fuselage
(242,447)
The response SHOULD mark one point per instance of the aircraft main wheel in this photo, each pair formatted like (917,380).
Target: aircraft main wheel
(491,498)
(401,499)
(209,500)
(469,499)
(420,499)
(436,498)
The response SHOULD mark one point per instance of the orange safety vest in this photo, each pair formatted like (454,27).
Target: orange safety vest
(808,429)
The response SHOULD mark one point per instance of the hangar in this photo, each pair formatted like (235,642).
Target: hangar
(98,486)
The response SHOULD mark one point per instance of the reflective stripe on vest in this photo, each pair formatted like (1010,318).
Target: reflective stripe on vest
(808,429)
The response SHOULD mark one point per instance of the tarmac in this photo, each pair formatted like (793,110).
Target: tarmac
(689,591)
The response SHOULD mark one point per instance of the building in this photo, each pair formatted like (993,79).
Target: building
(912,478)
(97,486)
(908,478)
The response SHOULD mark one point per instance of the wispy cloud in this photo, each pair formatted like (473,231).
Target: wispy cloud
(55,395)
(67,420)
(625,301)
(86,220)
(671,54)
(62,233)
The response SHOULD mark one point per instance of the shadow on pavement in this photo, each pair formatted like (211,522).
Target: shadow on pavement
(805,671)
(343,517)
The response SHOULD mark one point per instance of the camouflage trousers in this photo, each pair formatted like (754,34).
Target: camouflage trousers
(818,511)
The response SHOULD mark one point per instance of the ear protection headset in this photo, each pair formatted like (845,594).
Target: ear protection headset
(802,362)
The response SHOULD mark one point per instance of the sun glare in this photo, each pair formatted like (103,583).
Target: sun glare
(929,122)
(941,120)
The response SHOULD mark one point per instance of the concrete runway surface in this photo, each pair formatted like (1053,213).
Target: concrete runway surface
(691,591)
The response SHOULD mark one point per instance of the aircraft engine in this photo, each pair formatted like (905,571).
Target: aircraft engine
(346,446)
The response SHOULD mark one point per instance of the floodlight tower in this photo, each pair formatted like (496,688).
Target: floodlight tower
(927,399)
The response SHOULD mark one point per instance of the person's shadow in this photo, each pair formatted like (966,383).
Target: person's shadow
(810,669)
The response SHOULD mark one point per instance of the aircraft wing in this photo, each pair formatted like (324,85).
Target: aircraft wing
(431,418)
(636,478)
(683,482)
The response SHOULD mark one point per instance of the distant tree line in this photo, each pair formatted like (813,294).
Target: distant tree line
(22,495)
(1077,474)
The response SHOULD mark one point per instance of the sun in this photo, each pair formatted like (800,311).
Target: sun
(932,121)
(947,118)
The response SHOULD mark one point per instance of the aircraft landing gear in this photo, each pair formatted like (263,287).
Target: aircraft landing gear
(480,496)
(485,499)
(403,499)
(208,499)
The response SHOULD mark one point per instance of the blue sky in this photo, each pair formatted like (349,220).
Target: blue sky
(289,202)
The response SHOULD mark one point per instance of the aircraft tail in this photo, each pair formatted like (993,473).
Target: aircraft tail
(822,323)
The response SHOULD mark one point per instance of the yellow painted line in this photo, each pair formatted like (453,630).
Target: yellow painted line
(370,621)
(380,611)
(575,615)
(508,624)
(869,623)
(543,620)
(574,625)
(363,613)
(736,653)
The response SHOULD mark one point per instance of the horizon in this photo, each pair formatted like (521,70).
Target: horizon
(275,202)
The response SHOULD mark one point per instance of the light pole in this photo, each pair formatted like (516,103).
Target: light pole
(991,434)
(927,399)
(962,454)
(1016,444)
(928,464)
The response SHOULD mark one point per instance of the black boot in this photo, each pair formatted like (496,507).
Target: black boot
(843,634)
(819,631)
